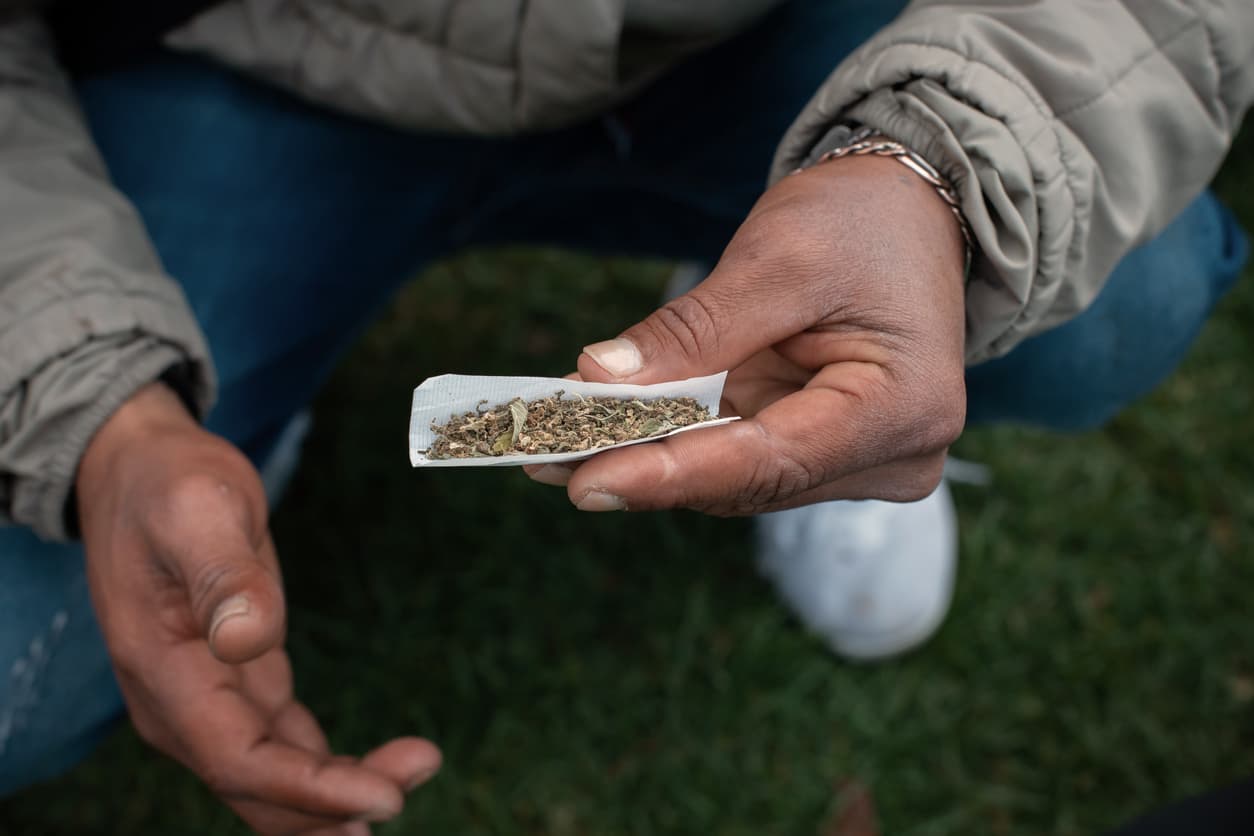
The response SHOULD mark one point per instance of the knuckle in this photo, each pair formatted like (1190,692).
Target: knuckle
(190,496)
(916,482)
(766,489)
(949,427)
(770,482)
(937,420)
(757,242)
(950,413)
(193,490)
(928,483)
(752,241)
(758,248)
(690,323)
(941,430)
(211,580)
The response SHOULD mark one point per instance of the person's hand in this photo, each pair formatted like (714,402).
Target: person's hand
(186,586)
(838,308)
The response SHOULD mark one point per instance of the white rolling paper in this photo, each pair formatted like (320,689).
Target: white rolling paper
(440,398)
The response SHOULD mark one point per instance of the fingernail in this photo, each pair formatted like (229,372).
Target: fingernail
(601,501)
(619,357)
(420,779)
(232,607)
(552,474)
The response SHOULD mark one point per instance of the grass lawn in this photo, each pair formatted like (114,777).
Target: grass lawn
(626,674)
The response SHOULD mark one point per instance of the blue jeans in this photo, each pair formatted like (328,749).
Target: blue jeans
(289,227)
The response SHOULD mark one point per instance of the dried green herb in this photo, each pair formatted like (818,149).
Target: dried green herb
(558,425)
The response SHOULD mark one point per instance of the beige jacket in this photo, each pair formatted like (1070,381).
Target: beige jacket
(1072,129)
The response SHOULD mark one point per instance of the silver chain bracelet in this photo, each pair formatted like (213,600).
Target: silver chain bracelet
(866,141)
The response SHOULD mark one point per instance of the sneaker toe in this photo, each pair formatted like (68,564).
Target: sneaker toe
(873,579)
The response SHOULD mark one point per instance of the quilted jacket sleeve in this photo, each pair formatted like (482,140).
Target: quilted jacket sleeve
(1073,131)
(87,315)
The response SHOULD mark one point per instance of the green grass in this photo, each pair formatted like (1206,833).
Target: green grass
(626,674)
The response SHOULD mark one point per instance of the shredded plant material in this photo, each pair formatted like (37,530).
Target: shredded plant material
(555,425)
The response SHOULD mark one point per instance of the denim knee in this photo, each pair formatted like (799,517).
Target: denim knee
(1079,375)
(58,697)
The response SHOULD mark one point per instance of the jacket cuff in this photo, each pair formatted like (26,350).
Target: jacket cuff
(85,354)
(996,143)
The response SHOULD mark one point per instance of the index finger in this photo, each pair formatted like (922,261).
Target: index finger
(231,746)
(782,456)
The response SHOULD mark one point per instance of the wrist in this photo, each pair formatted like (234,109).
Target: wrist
(154,409)
(866,144)
(903,205)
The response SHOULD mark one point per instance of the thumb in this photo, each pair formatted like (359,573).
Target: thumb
(233,588)
(714,327)
(247,616)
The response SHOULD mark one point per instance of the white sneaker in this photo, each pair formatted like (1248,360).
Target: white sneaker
(873,579)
